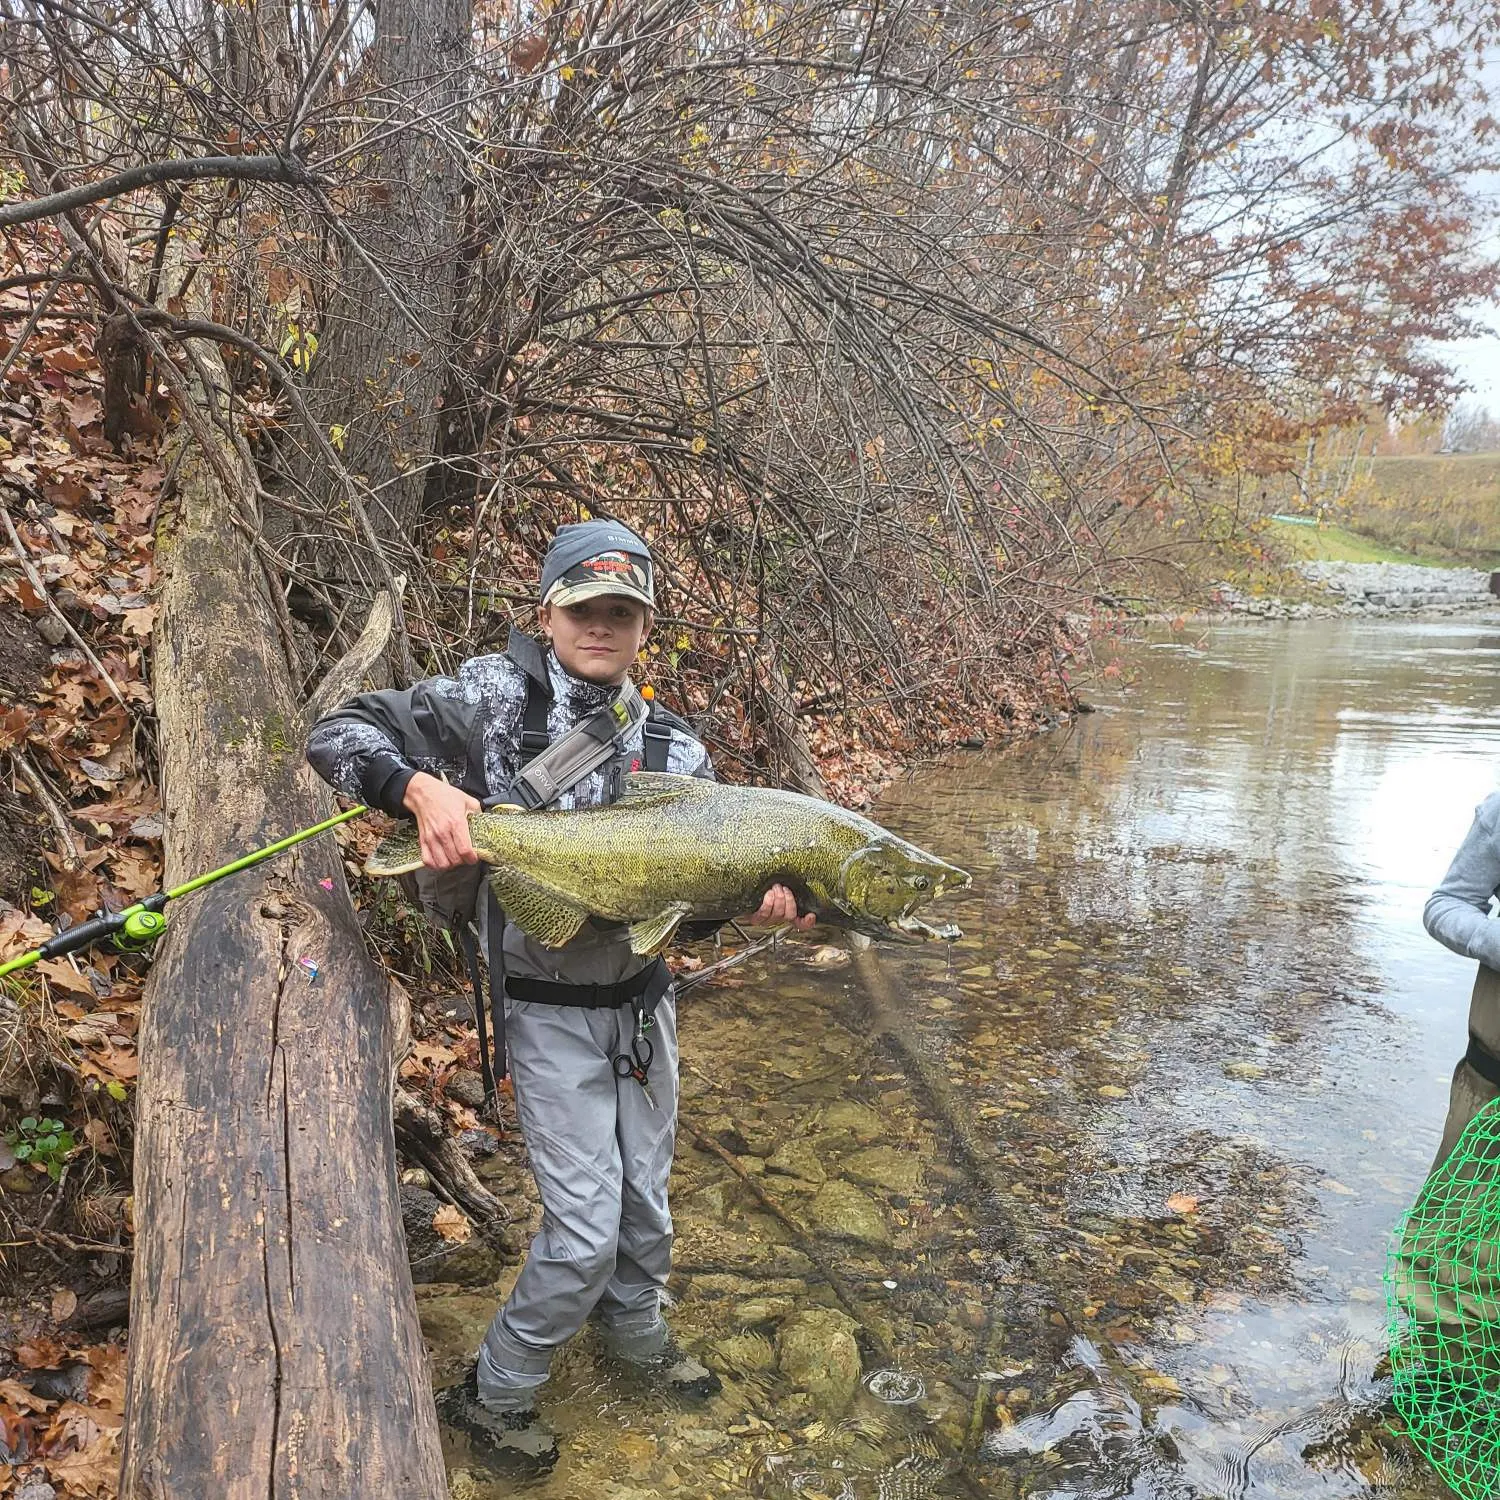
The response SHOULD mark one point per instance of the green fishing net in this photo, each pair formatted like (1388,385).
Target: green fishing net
(1443,1294)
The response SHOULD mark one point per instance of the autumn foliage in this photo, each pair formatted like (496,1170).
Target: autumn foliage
(907,333)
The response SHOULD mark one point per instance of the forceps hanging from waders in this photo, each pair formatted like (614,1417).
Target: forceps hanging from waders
(547,771)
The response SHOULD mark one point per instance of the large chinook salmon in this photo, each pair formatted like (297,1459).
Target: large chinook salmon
(676,848)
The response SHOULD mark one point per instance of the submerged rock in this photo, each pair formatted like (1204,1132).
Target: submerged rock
(796,1158)
(884,1166)
(816,1351)
(841,1208)
(758,1310)
(712,1201)
(745,1353)
(853,1118)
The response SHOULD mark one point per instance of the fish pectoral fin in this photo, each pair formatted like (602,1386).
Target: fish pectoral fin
(652,934)
(551,919)
(657,786)
(398,855)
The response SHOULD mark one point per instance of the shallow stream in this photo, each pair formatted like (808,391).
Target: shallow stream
(1099,1196)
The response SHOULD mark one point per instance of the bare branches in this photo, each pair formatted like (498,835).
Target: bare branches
(278,168)
(895,327)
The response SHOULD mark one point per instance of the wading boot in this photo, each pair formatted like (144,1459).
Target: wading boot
(685,1376)
(669,1368)
(513,1443)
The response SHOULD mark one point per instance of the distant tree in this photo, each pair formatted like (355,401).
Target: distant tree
(1470,428)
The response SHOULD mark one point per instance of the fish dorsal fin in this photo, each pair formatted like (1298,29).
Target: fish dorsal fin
(656,786)
(652,934)
(551,919)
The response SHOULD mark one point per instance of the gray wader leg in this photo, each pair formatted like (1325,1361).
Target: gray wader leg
(630,1308)
(1471,1092)
(601,1157)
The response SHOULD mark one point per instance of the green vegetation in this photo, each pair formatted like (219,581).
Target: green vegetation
(1335,544)
(43,1143)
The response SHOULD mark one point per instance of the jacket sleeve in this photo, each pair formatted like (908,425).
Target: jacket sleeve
(1457,913)
(372,746)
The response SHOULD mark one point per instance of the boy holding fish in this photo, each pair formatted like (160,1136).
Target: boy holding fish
(559,727)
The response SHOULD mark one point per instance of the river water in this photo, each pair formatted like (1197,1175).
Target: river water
(1105,1188)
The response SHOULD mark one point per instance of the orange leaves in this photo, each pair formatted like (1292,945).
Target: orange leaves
(66,358)
(73,1441)
(41,1354)
(452,1224)
(135,872)
(92,1472)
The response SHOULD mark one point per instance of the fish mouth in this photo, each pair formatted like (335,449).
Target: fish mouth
(909,929)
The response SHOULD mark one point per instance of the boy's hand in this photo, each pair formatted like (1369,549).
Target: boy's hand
(780,905)
(442,814)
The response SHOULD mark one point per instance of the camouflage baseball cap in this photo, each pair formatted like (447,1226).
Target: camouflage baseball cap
(592,558)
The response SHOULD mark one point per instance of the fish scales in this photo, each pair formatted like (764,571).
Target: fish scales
(677,848)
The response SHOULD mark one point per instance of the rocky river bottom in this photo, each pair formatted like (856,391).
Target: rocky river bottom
(1096,1200)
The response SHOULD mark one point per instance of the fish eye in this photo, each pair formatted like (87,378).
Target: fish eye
(920,882)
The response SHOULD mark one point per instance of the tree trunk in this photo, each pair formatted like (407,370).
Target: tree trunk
(274,1343)
(383,352)
(796,765)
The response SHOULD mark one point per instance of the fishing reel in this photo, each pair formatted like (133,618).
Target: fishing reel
(131,931)
(141,928)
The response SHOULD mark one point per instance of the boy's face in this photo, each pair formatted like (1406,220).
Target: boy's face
(597,640)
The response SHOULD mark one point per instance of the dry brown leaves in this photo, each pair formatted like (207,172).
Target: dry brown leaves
(84,514)
(452,1224)
(73,1444)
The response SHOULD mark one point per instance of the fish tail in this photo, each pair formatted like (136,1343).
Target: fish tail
(397,855)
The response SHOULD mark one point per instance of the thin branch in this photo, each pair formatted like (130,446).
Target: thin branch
(276,168)
(53,808)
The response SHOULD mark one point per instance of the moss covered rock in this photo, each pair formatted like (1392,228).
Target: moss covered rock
(886,1167)
(841,1208)
(816,1351)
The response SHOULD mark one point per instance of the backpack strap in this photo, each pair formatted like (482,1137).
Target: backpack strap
(656,735)
(528,655)
(534,736)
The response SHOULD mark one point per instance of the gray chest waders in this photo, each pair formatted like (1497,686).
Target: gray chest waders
(548,770)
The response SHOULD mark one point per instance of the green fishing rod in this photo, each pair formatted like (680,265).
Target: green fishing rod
(139,926)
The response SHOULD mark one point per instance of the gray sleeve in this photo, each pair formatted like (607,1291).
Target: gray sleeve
(373,746)
(687,757)
(1457,913)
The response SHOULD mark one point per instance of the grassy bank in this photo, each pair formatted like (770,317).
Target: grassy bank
(1336,544)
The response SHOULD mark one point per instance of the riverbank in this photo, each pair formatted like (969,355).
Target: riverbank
(1373,590)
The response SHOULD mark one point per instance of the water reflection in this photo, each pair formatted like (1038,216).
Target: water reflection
(1109,1180)
(1213,980)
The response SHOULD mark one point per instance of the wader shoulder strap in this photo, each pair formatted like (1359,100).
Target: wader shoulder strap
(656,738)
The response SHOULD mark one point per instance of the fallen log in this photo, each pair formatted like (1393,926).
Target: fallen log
(274,1345)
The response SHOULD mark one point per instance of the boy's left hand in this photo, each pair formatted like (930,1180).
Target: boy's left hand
(780,905)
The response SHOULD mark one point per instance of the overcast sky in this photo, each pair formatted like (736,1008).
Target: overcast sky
(1478,362)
